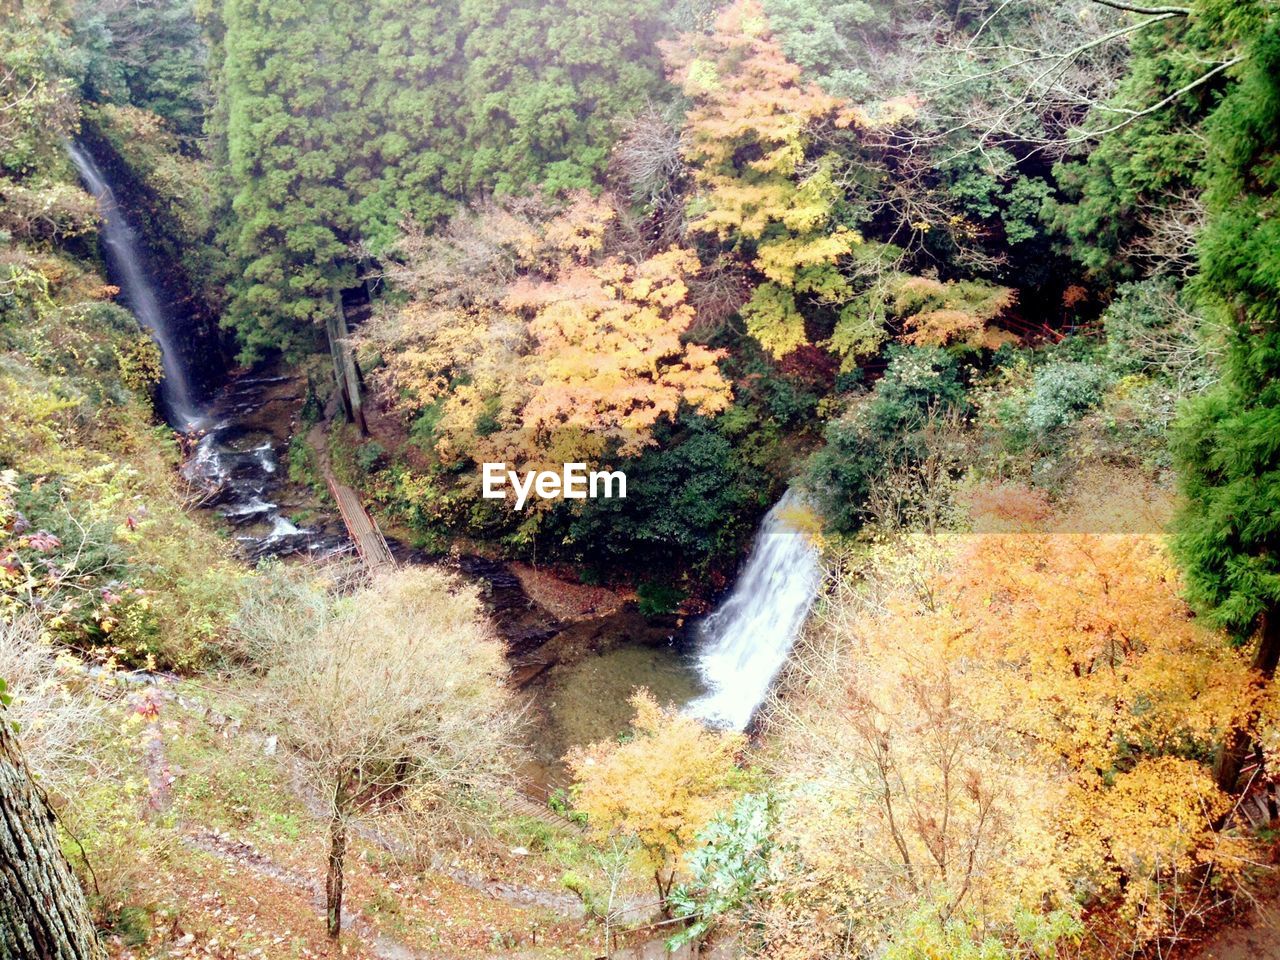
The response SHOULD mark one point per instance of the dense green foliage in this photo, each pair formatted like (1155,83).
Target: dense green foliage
(887,430)
(93,532)
(1229,440)
(342,120)
(147,53)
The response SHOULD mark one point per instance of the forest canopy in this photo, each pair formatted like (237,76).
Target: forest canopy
(951,325)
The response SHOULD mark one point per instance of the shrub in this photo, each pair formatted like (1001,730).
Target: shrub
(658,598)
(885,431)
(1062,392)
(1151,331)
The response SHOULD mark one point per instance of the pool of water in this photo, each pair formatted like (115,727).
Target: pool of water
(584,699)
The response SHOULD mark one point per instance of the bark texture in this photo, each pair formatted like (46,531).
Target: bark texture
(43,913)
(333,882)
(1237,744)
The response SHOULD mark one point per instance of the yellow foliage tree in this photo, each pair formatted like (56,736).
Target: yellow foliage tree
(532,347)
(748,137)
(1001,721)
(608,360)
(660,787)
(938,314)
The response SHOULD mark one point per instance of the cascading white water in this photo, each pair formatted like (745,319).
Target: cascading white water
(120,243)
(237,469)
(744,643)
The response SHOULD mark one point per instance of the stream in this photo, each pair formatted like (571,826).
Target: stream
(720,668)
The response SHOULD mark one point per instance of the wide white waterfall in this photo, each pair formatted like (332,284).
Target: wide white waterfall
(120,244)
(742,646)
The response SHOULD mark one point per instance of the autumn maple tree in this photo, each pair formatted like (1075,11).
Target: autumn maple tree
(608,357)
(660,787)
(537,348)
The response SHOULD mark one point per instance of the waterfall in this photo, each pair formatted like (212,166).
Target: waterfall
(744,643)
(233,463)
(120,244)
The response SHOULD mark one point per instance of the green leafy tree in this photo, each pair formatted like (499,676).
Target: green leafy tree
(1140,171)
(38,104)
(888,429)
(287,110)
(728,868)
(335,122)
(543,84)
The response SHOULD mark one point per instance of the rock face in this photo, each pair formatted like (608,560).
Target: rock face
(202,347)
(43,914)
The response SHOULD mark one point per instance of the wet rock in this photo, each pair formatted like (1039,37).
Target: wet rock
(523,624)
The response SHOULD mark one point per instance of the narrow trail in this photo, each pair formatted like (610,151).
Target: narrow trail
(244,855)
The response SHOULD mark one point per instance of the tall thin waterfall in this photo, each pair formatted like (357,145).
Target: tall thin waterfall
(745,642)
(120,243)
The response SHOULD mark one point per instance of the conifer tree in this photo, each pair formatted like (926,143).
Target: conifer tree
(1228,447)
(286,106)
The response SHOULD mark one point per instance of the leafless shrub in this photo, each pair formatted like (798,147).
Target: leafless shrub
(471,260)
(649,155)
(54,719)
(391,699)
(649,161)
(717,292)
(1170,230)
(1159,335)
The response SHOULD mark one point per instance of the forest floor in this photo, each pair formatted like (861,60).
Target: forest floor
(554,591)
(1254,934)
(1256,937)
(223,858)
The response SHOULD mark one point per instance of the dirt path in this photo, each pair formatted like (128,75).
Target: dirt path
(1256,937)
(246,856)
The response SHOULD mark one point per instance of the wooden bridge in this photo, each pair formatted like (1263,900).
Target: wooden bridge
(371,545)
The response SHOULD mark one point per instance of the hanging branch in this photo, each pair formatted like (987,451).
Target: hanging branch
(1133,8)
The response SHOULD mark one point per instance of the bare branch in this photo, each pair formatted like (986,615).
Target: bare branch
(1133,8)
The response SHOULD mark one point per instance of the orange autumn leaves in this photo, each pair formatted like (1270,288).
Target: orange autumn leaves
(529,345)
(1085,645)
(660,787)
(608,354)
(1024,718)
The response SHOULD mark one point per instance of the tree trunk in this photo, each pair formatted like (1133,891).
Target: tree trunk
(334,334)
(664,891)
(346,372)
(333,883)
(43,913)
(1237,743)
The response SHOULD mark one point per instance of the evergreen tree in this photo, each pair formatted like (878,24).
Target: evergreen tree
(545,82)
(1228,535)
(341,120)
(150,53)
(286,94)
